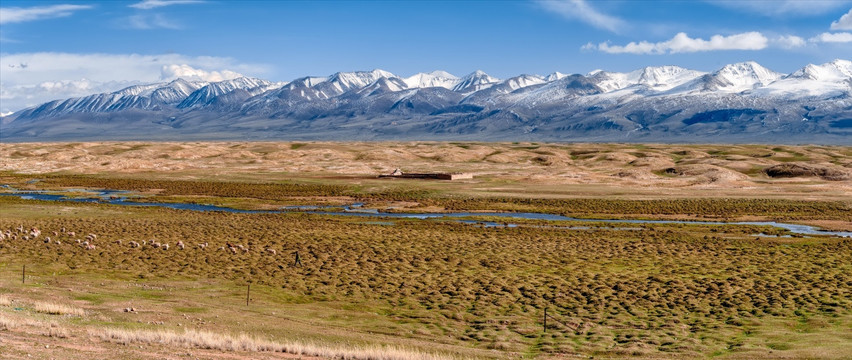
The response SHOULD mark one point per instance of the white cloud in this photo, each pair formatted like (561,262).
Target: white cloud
(16,14)
(789,41)
(33,78)
(581,10)
(841,37)
(187,72)
(783,7)
(844,23)
(682,43)
(151,4)
(149,21)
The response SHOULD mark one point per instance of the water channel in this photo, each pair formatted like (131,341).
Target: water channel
(118,197)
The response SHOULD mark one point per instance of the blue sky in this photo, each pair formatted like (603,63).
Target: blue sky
(70,48)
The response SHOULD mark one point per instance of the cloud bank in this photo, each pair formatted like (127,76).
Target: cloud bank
(682,43)
(783,7)
(844,23)
(842,37)
(17,14)
(582,11)
(152,4)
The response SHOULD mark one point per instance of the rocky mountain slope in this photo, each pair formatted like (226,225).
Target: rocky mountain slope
(739,103)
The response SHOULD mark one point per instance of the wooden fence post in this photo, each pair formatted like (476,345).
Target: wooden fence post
(23,274)
(248,292)
(545,319)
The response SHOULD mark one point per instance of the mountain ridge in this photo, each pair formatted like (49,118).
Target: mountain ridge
(741,102)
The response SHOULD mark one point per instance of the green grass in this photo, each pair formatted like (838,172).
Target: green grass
(681,289)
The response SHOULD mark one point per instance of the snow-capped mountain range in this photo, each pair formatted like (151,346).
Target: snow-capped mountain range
(743,102)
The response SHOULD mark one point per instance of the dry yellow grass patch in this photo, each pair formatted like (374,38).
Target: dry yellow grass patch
(242,342)
(57,309)
(5,300)
(7,323)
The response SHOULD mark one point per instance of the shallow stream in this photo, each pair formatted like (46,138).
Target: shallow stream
(118,197)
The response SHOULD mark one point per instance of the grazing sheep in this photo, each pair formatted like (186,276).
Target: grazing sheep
(118,242)
(90,247)
(165,246)
(91,237)
(180,245)
(202,246)
(271,251)
(58,242)
(78,241)
(155,244)
(233,250)
(71,234)
(241,247)
(134,244)
(47,240)
(221,248)
(56,233)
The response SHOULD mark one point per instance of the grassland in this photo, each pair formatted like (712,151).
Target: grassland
(424,288)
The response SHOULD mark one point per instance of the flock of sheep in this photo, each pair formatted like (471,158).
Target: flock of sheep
(88,243)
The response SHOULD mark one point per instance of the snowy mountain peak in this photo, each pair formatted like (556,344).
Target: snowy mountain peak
(384,85)
(437,78)
(208,94)
(343,81)
(523,81)
(136,90)
(555,76)
(443,74)
(749,69)
(665,76)
(173,92)
(475,81)
(742,76)
(837,70)
(309,81)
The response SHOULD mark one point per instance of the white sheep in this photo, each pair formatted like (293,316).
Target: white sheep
(166,246)
(271,251)
(180,245)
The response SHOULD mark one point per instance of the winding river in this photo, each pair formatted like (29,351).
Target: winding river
(117,197)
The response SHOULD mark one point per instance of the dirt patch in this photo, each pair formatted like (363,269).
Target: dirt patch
(826,172)
(707,173)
